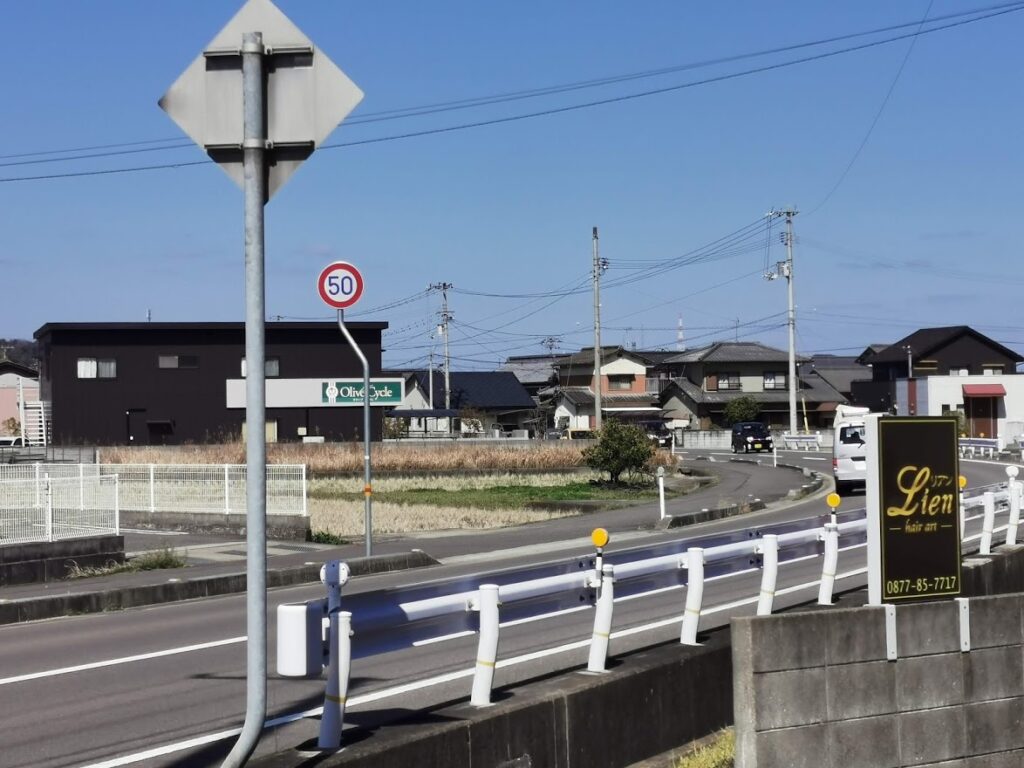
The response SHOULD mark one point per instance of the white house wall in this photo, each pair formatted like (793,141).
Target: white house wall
(622,366)
(567,410)
(948,391)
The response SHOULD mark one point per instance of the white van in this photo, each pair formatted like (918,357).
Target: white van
(849,459)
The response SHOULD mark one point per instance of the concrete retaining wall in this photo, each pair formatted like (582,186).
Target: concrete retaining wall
(43,561)
(577,720)
(279,527)
(815,689)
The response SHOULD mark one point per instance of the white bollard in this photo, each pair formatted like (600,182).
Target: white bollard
(769,550)
(339,667)
(989,504)
(487,648)
(775,456)
(661,492)
(963,516)
(694,595)
(602,622)
(829,564)
(1013,494)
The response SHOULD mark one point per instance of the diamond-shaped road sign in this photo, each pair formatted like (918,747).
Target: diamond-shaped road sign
(307,95)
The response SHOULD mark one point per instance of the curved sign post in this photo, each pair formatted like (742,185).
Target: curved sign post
(340,286)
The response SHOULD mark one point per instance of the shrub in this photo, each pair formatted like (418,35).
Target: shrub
(620,448)
(741,409)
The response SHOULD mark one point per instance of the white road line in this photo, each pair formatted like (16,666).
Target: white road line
(123,660)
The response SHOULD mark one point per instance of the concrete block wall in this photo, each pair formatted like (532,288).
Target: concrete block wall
(814,690)
(42,561)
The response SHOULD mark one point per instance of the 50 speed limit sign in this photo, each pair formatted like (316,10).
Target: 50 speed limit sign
(340,285)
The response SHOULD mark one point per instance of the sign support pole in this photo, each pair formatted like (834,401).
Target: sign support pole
(254,147)
(873,497)
(367,474)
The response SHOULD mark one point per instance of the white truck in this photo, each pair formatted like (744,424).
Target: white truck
(849,459)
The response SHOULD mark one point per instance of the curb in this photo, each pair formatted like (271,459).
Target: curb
(53,606)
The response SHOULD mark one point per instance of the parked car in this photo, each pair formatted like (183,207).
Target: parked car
(578,434)
(849,458)
(554,434)
(11,441)
(751,436)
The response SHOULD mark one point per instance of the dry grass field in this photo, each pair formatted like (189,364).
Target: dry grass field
(328,458)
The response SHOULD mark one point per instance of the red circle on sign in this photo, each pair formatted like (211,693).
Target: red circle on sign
(340,285)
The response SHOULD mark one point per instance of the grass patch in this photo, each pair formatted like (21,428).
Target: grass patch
(148,561)
(720,752)
(326,537)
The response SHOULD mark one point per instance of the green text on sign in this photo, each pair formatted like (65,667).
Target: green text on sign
(350,392)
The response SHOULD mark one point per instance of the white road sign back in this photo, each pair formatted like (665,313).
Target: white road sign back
(307,95)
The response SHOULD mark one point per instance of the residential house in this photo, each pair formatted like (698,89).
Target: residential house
(481,402)
(699,383)
(623,380)
(19,384)
(957,350)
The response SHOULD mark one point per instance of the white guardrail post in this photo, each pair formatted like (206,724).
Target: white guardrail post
(988,500)
(227,491)
(334,575)
(1013,496)
(152,489)
(602,621)
(829,563)
(487,649)
(694,595)
(339,667)
(769,551)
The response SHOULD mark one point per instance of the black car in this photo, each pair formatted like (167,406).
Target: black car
(751,436)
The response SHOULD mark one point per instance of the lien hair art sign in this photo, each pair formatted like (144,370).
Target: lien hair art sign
(913,508)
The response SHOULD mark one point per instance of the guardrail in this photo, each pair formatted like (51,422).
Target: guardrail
(985,446)
(803,442)
(374,623)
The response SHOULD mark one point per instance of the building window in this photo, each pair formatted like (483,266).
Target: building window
(729,381)
(271,367)
(178,361)
(775,381)
(621,381)
(92,368)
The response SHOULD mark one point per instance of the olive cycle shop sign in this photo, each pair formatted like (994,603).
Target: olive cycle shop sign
(350,392)
(913,495)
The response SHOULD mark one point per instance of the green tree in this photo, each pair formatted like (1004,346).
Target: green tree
(741,409)
(619,448)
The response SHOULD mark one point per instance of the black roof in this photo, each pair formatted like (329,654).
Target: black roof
(233,326)
(926,340)
(11,366)
(487,390)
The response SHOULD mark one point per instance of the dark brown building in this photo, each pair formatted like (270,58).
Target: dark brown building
(168,383)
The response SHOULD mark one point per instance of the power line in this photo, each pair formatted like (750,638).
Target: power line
(878,114)
(446,106)
(556,110)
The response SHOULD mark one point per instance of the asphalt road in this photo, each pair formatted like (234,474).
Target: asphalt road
(105,689)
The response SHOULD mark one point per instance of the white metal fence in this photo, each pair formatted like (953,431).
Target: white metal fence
(56,508)
(192,488)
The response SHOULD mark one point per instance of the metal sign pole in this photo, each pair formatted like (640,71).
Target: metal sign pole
(367,476)
(254,145)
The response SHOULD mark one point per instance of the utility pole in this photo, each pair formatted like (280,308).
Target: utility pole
(430,373)
(910,362)
(445,317)
(599,266)
(786,269)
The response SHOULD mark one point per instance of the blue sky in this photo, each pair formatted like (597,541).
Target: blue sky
(921,231)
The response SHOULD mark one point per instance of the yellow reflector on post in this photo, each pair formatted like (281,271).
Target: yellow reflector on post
(833,500)
(599,537)
(962,481)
